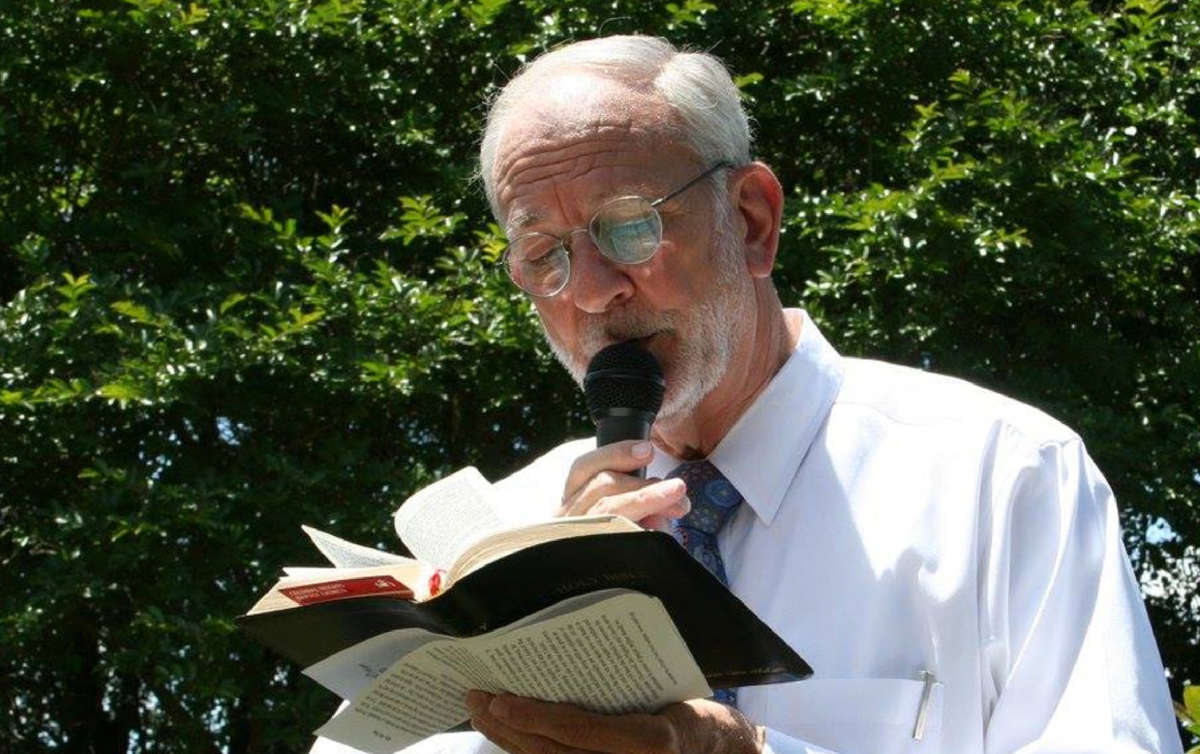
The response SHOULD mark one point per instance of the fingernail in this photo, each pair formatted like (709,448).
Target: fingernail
(500,707)
(643,450)
(477,702)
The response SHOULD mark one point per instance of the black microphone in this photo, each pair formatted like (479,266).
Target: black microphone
(624,388)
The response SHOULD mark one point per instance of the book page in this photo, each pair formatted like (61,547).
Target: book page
(440,521)
(344,554)
(308,572)
(347,672)
(495,545)
(622,654)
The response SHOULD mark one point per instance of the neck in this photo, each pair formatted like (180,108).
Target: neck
(770,339)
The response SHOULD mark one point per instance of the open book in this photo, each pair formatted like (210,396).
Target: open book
(451,527)
(593,610)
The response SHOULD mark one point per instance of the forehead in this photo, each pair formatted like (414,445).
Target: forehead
(582,138)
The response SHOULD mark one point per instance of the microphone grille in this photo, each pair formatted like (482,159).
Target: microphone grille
(623,375)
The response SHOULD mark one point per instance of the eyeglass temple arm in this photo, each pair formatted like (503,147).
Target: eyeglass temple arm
(716,166)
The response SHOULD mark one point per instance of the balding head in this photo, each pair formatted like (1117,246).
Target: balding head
(631,117)
(688,97)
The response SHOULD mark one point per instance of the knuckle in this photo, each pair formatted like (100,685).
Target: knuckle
(576,467)
(606,504)
(593,490)
(588,731)
(649,500)
(606,478)
(661,739)
(606,483)
(573,483)
(649,492)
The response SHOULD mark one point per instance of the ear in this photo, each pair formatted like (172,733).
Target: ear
(758,199)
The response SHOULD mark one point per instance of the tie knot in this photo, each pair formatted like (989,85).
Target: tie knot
(713,498)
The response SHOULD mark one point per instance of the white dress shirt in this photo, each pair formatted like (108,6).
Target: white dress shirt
(897,522)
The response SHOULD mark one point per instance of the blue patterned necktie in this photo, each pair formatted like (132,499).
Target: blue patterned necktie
(714,501)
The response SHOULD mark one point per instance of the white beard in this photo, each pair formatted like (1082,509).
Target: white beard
(707,334)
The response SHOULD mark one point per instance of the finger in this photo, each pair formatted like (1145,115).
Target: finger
(697,721)
(516,741)
(573,727)
(624,456)
(657,522)
(612,492)
(481,720)
(604,484)
(667,497)
(498,733)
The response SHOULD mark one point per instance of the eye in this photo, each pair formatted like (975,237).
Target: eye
(541,261)
(538,263)
(627,229)
(633,231)
(634,240)
(534,248)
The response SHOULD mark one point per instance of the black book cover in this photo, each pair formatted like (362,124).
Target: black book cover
(731,645)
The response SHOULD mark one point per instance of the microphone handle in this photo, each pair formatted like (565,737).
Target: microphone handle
(624,424)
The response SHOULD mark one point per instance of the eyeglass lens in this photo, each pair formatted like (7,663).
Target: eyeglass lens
(539,264)
(626,230)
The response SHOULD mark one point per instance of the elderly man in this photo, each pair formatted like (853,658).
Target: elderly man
(948,560)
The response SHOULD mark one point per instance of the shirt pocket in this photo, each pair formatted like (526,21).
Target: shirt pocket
(858,715)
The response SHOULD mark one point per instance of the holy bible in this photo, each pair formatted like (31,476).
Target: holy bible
(592,610)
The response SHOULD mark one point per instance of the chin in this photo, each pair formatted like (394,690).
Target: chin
(575,364)
(682,398)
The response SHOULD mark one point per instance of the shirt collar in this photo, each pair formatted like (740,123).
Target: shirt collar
(763,450)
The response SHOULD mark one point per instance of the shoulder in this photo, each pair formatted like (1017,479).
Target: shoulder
(1035,483)
(905,396)
(535,490)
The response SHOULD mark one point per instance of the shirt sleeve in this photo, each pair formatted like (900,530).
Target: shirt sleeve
(460,742)
(1069,660)
(779,743)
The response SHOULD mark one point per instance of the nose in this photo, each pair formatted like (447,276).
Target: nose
(597,282)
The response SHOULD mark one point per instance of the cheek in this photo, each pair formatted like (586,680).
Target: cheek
(557,318)
(672,277)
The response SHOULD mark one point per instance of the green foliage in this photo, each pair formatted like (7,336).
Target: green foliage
(247,282)
(1189,713)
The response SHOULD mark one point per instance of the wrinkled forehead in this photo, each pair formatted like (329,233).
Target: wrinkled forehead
(573,123)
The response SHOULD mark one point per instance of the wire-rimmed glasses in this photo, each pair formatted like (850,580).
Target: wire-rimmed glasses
(627,229)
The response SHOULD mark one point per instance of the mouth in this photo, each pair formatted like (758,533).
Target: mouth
(643,341)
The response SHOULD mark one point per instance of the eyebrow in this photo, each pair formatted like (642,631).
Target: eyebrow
(524,218)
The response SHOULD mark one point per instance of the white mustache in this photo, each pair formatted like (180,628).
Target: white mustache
(598,332)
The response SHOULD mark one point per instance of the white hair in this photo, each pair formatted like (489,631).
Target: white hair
(695,84)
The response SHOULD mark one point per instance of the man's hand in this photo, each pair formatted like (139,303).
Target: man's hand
(527,726)
(600,482)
